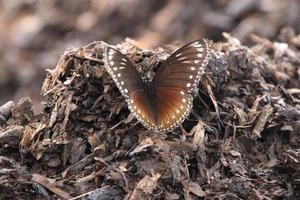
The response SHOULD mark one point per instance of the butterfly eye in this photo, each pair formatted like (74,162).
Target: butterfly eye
(163,103)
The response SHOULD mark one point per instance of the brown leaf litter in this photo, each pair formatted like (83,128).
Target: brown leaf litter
(240,142)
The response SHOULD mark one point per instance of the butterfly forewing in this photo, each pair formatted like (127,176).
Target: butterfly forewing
(123,72)
(184,68)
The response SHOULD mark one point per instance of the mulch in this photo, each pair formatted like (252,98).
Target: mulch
(241,140)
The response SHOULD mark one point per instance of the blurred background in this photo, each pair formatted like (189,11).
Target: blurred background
(33,34)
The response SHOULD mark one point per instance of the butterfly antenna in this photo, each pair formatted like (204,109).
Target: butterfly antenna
(203,102)
(183,130)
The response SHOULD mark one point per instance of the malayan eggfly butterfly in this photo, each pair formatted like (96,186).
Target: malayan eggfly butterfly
(163,103)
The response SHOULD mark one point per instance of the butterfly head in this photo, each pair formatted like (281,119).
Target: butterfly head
(146,79)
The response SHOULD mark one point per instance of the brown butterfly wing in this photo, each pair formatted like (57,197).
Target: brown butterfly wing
(173,107)
(184,68)
(138,105)
(123,72)
(130,84)
(178,76)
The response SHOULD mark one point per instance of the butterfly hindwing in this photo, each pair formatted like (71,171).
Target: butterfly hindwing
(173,107)
(138,104)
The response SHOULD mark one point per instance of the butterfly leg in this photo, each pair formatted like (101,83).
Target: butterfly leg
(183,131)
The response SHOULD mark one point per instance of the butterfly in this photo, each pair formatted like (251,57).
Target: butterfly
(163,103)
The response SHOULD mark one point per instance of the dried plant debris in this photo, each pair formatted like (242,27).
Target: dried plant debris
(39,37)
(240,142)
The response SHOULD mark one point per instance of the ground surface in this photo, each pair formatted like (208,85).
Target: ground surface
(240,142)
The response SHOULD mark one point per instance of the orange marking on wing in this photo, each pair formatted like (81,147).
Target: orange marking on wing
(141,109)
(169,109)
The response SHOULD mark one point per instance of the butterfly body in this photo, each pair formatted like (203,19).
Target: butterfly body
(151,98)
(162,103)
